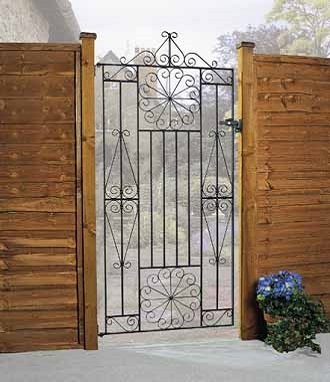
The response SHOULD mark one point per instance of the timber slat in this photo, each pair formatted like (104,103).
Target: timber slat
(19,54)
(292,59)
(36,239)
(36,280)
(46,204)
(32,259)
(11,321)
(307,118)
(269,260)
(292,229)
(292,133)
(51,110)
(20,190)
(287,85)
(292,70)
(268,181)
(26,340)
(35,173)
(38,87)
(287,245)
(61,298)
(40,154)
(274,102)
(302,213)
(292,198)
(31,221)
(37,134)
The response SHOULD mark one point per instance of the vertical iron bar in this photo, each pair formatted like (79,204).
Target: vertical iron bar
(164,201)
(176,202)
(217,254)
(121,201)
(233,200)
(104,210)
(189,238)
(201,192)
(138,190)
(151,205)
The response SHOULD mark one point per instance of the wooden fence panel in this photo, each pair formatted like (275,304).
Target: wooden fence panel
(286,206)
(41,211)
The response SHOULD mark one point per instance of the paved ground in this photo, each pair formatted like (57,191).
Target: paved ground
(198,360)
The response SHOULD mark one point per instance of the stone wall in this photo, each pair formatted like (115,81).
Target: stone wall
(21,21)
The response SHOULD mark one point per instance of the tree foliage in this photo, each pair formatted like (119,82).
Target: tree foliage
(266,38)
(307,26)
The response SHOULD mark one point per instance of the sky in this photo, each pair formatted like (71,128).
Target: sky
(123,25)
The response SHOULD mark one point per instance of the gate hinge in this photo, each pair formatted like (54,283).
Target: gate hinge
(237,124)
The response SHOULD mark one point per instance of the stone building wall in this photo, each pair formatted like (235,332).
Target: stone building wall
(21,21)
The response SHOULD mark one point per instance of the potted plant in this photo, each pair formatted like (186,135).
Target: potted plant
(293,318)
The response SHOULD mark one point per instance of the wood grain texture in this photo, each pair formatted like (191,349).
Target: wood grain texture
(38,339)
(37,221)
(27,48)
(249,321)
(39,304)
(292,139)
(38,319)
(60,298)
(37,111)
(41,189)
(39,154)
(38,87)
(36,239)
(36,174)
(43,133)
(79,206)
(88,187)
(38,204)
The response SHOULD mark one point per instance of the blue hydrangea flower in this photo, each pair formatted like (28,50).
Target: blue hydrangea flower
(279,286)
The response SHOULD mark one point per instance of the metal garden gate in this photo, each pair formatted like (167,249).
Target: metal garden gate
(168,191)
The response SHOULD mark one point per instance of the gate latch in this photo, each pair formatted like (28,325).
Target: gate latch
(237,124)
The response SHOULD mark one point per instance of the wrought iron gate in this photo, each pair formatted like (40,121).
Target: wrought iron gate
(168,191)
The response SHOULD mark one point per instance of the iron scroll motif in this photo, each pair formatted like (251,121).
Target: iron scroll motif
(170,298)
(168,191)
(169,55)
(169,98)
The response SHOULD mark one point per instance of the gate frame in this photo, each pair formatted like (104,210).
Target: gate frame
(230,122)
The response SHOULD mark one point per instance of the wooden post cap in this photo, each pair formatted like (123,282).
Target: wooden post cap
(88,35)
(245,44)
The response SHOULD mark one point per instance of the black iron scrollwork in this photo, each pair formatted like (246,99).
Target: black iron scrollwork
(170,298)
(217,317)
(122,323)
(168,188)
(169,98)
(169,54)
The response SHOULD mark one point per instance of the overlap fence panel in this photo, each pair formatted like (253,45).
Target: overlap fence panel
(285,103)
(41,204)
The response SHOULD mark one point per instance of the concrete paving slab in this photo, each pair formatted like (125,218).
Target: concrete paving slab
(229,360)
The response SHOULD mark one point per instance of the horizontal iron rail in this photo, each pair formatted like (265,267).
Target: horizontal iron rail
(102,334)
(100,64)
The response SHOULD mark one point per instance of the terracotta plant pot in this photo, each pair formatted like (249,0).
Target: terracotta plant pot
(269,319)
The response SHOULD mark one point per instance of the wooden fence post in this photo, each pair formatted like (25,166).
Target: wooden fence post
(88,176)
(247,176)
